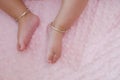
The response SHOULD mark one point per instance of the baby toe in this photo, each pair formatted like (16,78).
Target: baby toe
(56,57)
(21,46)
(50,57)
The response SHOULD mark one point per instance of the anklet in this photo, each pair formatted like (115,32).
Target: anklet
(56,28)
(23,14)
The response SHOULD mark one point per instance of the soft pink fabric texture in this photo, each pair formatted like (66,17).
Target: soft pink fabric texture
(91,48)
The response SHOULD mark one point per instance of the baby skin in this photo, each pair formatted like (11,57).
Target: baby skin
(27,21)
(69,12)
(27,26)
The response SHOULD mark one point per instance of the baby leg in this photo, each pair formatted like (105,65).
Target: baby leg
(69,12)
(27,21)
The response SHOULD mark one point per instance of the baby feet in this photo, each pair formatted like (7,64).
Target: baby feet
(27,26)
(54,45)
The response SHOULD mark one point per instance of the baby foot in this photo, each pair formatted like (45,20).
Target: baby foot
(27,26)
(54,45)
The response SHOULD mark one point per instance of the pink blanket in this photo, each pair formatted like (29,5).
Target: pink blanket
(91,48)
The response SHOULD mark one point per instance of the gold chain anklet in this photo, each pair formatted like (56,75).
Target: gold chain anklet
(57,28)
(23,14)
